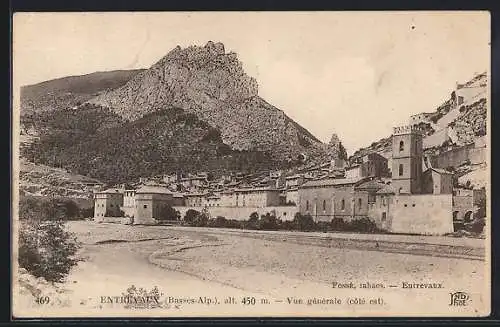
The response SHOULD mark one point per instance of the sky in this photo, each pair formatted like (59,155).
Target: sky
(356,74)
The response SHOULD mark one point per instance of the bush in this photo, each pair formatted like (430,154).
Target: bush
(219,221)
(304,222)
(114,213)
(476,226)
(201,220)
(268,222)
(168,213)
(190,216)
(87,212)
(362,225)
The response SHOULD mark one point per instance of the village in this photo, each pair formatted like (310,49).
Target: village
(408,193)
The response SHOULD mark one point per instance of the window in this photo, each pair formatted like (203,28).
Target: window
(307,205)
(342,204)
(401,146)
(324,205)
(413,205)
(359,203)
(406,205)
(145,206)
(384,216)
(401,170)
(111,205)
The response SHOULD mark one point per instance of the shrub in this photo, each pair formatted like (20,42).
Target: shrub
(201,220)
(288,225)
(254,216)
(190,216)
(364,225)
(476,226)
(168,213)
(268,222)
(338,224)
(219,221)
(88,212)
(304,222)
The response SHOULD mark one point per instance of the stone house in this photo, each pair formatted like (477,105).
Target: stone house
(437,181)
(257,197)
(129,202)
(108,203)
(150,201)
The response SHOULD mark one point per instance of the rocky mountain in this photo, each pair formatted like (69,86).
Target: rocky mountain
(207,81)
(195,109)
(459,121)
(71,91)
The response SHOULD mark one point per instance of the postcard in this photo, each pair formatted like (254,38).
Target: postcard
(239,164)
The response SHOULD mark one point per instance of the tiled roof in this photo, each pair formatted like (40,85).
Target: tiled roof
(332,182)
(154,189)
(373,184)
(387,189)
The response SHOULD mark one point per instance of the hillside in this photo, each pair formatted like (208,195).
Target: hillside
(68,92)
(41,180)
(164,141)
(459,121)
(207,81)
(195,109)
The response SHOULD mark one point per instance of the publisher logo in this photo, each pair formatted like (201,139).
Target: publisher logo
(459,299)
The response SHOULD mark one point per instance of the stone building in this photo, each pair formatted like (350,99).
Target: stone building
(178,199)
(257,197)
(437,181)
(150,201)
(468,204)
(195,199)
(333,198)
(129,203)
(416,202)
(425,214)
(108,203)
(213,201)
(407,152)
(370,165)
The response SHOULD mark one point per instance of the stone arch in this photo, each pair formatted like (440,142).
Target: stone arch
(468,216)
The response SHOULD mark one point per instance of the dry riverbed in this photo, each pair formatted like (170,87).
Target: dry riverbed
(197,262)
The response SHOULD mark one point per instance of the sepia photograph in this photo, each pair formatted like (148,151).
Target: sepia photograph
(241,164)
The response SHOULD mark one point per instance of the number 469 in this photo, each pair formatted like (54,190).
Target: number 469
(43,300)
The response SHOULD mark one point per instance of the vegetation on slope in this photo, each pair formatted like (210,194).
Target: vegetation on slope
(164,141)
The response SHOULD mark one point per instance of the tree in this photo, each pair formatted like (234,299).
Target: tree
(46,249)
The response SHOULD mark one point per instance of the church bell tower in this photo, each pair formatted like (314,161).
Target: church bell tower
(407,152)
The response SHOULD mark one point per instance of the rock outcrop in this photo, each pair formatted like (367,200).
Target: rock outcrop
(207,81)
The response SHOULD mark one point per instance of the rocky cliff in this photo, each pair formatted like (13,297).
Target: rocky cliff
(460,120)
(207,81)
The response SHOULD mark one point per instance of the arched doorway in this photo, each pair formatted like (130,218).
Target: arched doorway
(455,215)
(468,216)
